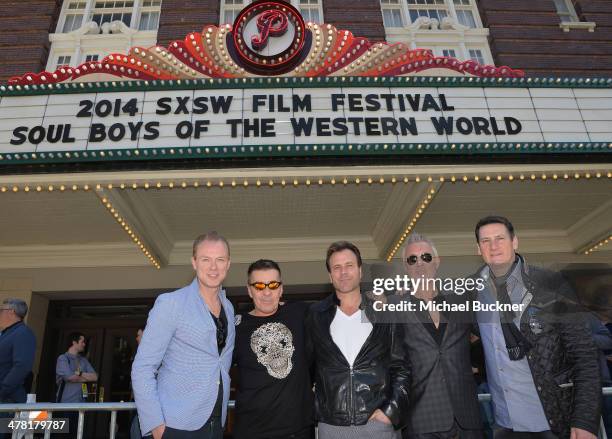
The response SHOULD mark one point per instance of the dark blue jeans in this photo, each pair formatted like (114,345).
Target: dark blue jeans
(211,430)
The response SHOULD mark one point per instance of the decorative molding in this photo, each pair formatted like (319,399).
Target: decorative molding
(124,212)
(530,241)
(402,202)
(209,54)
(588,25)
(79,255)
(346,150)
(91,180)
(279,249)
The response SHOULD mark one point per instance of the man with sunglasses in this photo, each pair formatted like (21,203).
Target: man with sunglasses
(443,398)
(362,377)
(180,375)
(274,398)
(17,348)
(541,361)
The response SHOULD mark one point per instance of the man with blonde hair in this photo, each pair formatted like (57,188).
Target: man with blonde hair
(180,374)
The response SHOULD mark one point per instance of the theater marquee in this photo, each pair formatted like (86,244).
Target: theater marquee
(272,84)
(345,115)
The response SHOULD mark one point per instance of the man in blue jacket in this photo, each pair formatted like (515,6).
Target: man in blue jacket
(17,348)
(180,374)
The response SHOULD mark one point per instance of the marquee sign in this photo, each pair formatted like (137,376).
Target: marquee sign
(273,85)
(269,37)
(293,118)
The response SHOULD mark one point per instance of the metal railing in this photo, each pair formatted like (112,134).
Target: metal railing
(114,407)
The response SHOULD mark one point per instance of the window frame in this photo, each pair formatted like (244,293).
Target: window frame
(571,11)
(295,3)
(391,7)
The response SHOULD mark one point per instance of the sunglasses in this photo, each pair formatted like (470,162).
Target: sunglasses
(260,286)
(425,257)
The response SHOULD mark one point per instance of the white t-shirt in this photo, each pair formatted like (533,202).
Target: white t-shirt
(350,333)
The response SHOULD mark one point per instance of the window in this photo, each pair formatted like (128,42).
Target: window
(427,8)
(74,16)
(392,13)
(63,61)
(566,11)
(149,15)
(449,53)
(230,10)
(109,10)
(465,14)
(310,10)
(90,58)
(476,55)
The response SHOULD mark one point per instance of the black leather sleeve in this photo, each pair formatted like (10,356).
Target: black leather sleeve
(397,406)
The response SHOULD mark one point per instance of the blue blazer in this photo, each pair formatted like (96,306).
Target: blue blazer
(17,349)
(175,374)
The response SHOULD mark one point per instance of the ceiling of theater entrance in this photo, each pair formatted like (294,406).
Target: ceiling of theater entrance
(75,229)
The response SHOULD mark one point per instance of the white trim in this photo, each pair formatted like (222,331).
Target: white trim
(448,33)
(567,25)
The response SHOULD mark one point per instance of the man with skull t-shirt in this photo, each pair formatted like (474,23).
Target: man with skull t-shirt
(274,398)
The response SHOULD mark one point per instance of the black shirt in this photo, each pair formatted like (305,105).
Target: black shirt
(274,397)
(425,318)
(221,324)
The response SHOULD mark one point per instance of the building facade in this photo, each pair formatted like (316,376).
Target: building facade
(112,159)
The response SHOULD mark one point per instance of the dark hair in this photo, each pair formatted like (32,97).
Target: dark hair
(263,264)
(494,219)
(210,236)
(74,337)
(338,246)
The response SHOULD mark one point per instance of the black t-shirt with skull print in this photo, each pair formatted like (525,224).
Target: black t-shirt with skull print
(274,393)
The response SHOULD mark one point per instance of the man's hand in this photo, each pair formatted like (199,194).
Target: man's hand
(578,433)
(158,431)
(379,416)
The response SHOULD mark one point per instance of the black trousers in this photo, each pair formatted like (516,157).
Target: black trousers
(456,432)
(211,430)
(506,433)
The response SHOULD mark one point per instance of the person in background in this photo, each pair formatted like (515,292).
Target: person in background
(17,349)
(72,373)
(601,328)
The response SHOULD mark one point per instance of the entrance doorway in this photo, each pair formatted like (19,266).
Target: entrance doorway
(110,327)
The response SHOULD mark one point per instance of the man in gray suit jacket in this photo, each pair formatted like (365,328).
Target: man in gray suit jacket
(180,374)
(443,395)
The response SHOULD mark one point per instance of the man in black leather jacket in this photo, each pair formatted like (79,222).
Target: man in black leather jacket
(361,374)
(541,359)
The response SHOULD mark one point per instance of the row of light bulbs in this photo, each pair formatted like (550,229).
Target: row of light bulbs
(431,193)
(308,182)
(604,241)
(133,236)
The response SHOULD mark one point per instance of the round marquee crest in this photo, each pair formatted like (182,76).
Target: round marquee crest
(269,36)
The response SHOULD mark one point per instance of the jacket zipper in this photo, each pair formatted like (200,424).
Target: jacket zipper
(351,399)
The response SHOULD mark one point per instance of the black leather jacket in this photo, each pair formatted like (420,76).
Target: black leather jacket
(563,358)
(379,378)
